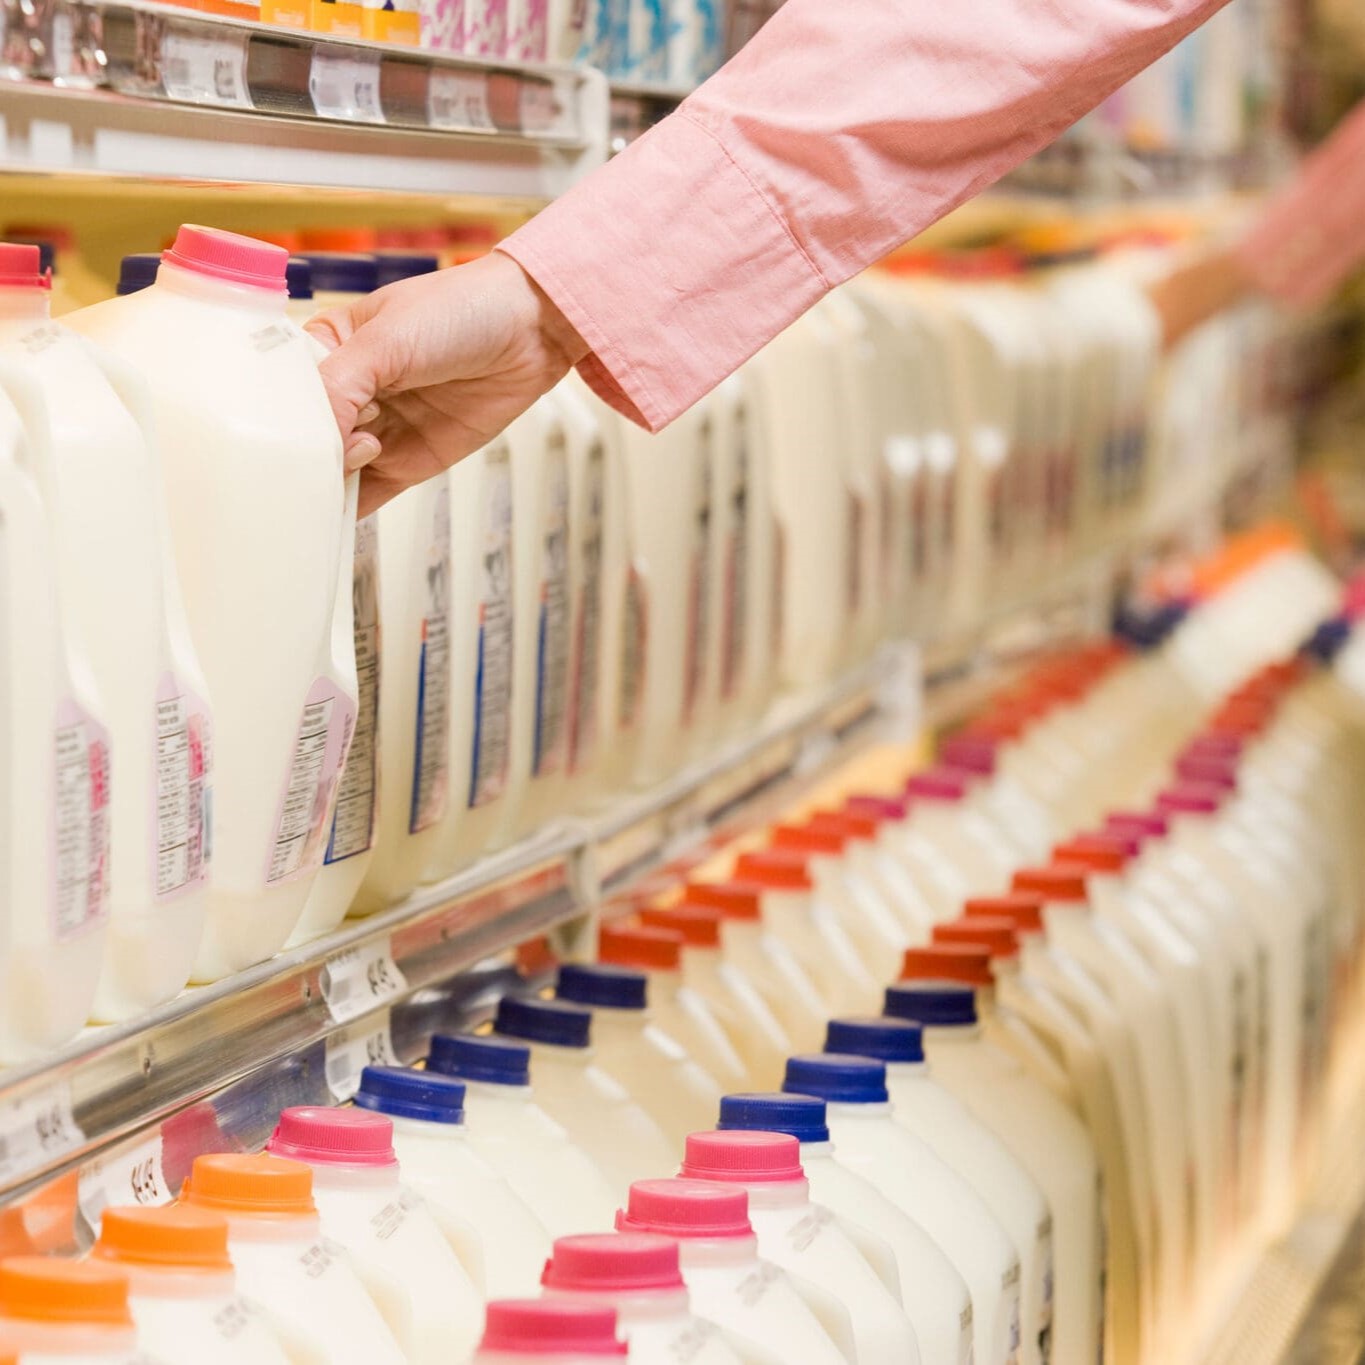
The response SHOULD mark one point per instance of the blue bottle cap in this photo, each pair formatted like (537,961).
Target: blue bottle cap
(543,1021)
(888,1040)
(477,1057)
(613,988)
(403,1093)
(940,1005)
(837,1076)
(137,272)
(343,272)
(801,1116)
(1328,640)
(298,277)
(403,265)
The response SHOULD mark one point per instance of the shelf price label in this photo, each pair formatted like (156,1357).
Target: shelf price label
(358,980)
(133,1176)
(203,68)
(351,1050)
(345,85)
(35,1130)
(457,101)
(546,107)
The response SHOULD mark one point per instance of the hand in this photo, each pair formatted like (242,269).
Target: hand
(429,370)
(1196,291)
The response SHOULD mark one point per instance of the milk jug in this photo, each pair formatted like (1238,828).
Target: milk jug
(181,1286)
(54,792)
(313,1299)
(638,1275)
(631,1048)
(803,1237)
(600,1114)
(751,1299)
(239,408)
(69,1311)
(509,1130)
(463,1191)
(935,1297)
(74,283)
(548,1332)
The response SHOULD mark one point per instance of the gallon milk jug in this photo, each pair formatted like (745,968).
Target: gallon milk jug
(313,1299)
(54,792)
(756,1302)
(405,1261)
(934,1296)
(548,1332)
(69,1311)
(804,1238)
(240,409)
(181,1286)
(74,283)
(640,1276)
(631,1048)
(536,1156)
(462,1191)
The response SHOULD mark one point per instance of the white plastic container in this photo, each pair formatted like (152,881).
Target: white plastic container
(54,760)
(553,1175)
(677,1093)
(934,1296)
(728,1284)
(239,406)
(869,1140)
(315,1302)
(600,1113)
(803,1237)
(548,1332)
(640,1277)
(181,1287)
(64,1311)
(463,1192)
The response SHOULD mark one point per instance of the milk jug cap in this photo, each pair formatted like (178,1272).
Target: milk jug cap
(697,926)
(137,271)
(969,753)
(613,1262)
(837,1077)
(298,277)
(776,869)
(343,272)
(1212,770)
(740,1156)
(932,1004)
(606,987)
(557,1022)
(229,256)
(888,1040)
(938,784)
(1189,798)
(404,1093)
(812,837)
(321,1136)
(404,265)
(884,808)
(180,1237)
(686,1209)
(1144,824)
(1023,909)
(1063,882)
(800,1116)
(21,267)
(1000,937)
(645,947)
(739,900)
(967,964)
(551,1327)
(74,1293)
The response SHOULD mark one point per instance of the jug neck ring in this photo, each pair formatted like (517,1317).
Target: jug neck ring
(20,303)
(209,288)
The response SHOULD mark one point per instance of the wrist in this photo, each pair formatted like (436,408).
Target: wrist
(558,334)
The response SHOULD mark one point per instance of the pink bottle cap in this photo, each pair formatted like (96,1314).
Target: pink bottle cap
(1212,769)
(229,256)
(938,784)
(686,1209)
(21,267)
(551,1327)
(1189,798)
(970,753)
(1214,743)
(1140,824)
(613,1262)
(743,1158)
(884,808)
(1059,882)
(333,1137)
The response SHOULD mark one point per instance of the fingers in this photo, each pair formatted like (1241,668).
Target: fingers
(362,449)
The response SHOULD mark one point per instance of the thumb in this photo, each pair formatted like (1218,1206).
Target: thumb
(355,370)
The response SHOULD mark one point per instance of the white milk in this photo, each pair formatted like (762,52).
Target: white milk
(463,1192)
(934,1296)
(751,1299)
(239,407)
(64,1311)
(406,1262)
(870,1141)
(554,1176)
(639,1276)
(601,1115)
(677,1093)
(315,1302)
(119,580)
(54,792)
(803,1237)
(181,1286)
(548,1332)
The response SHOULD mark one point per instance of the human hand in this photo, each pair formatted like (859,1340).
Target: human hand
(1195,291)
(429,370)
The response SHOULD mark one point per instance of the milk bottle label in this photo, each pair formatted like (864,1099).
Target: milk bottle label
(80,851)
(966,1348)
(552,658)
(699,584)
(588,643)
(1049,1280)
(634,647)
(431,757)
(1009,1284)
(314,766)
(493,679)
(353,818)
(184,765)
(736,568)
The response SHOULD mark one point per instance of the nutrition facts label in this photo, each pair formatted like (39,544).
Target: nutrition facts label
(493,680)
(431,756)
(588,644)
(81,796)
(297,813)
(182,777)
(552,654)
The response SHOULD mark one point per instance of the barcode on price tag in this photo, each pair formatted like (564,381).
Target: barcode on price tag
(359,979)
(133,1176)
(351,1050)
(345,85)
(199,68)
(459,100)
(36,1130)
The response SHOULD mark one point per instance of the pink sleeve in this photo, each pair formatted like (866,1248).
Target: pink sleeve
(839,132)
(1312,234)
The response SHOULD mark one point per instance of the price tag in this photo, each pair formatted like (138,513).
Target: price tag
(458,100)
(345,85)
(356,981)
(133,1176)
(199,68)
(36,1130)
(351,1050)
(545,108)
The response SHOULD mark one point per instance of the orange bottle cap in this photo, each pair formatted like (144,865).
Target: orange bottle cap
(809,838)
(1000,936)
(968,964)
(176,1237)
(48,1289)
(1093,852)
(252,1184)
(651,949)
(734,900)
(698,927)
(1060,882)
(775,869)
